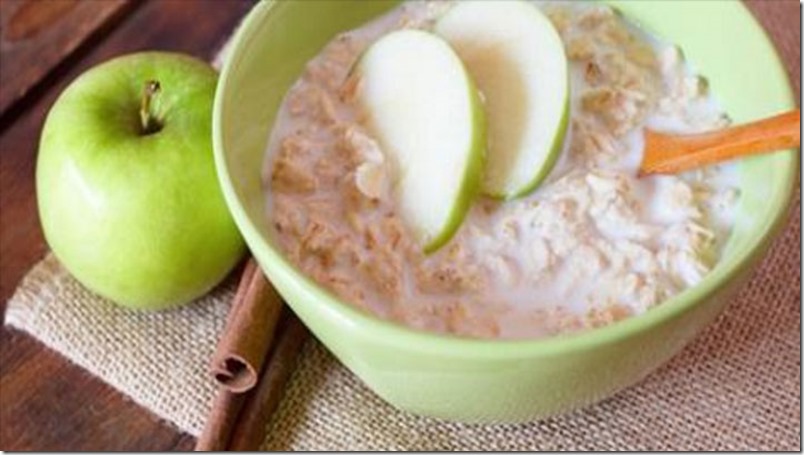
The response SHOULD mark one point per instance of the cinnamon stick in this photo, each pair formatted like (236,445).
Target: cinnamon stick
(240,411)
(221,421)
(262,401)
(238,420)
(248,333)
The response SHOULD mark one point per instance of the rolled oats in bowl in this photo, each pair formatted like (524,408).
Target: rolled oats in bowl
(593,244)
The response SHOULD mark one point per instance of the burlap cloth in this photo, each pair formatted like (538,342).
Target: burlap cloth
(160,360)
(737,387)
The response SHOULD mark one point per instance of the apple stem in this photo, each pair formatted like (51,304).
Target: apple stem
(148,121)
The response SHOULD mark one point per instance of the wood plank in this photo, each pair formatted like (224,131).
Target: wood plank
(44,413)
(38,35)
(46,403)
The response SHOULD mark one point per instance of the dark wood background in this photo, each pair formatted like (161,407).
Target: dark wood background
(46,403)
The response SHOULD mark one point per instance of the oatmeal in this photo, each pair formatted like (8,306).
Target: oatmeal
(592,245)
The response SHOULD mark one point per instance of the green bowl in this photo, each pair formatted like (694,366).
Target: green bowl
(477,380)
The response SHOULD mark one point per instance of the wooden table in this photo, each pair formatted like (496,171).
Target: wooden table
(47,403)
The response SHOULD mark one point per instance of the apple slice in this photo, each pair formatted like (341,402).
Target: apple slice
(517,59)
(422,106)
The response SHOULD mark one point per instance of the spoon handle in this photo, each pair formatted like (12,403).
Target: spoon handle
(670,154)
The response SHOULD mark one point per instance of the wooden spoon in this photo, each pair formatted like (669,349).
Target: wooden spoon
(670,154)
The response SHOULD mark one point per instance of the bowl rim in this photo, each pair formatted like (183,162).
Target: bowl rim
(387,332)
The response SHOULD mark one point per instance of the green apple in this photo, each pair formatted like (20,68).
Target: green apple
(517,59)
(126,185)
(422,106)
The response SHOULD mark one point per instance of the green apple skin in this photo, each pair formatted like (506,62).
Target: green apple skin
(555,152)
(471,167)
(472,174)
(517,60)
(139,219)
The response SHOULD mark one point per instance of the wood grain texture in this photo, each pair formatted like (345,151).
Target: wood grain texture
(46,403)
(37,35)
(673,153)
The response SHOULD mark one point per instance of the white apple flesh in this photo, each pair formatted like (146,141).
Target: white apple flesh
(517,59)
(423,108)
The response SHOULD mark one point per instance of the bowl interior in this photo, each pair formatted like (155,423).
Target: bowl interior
(277,39)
